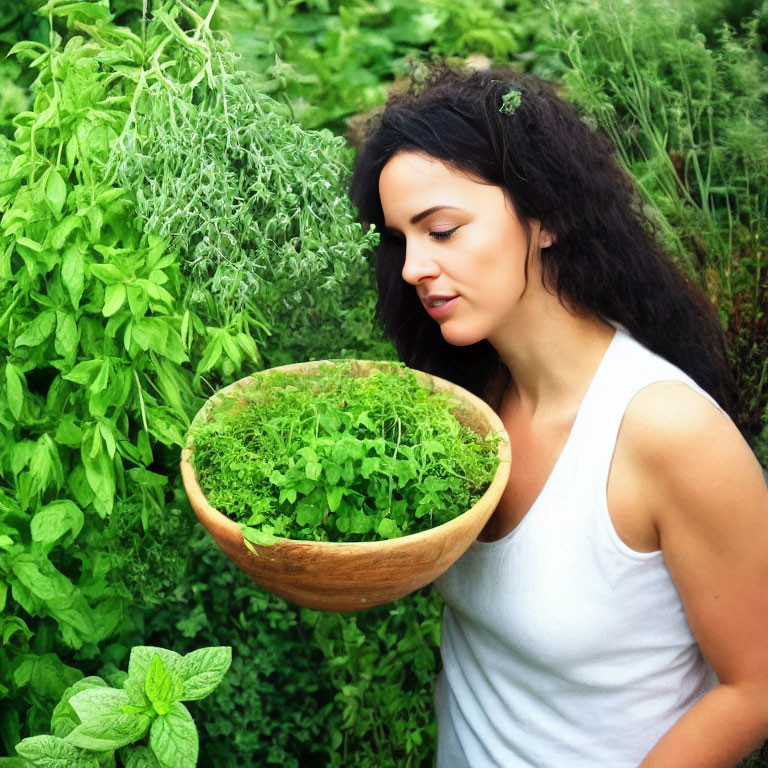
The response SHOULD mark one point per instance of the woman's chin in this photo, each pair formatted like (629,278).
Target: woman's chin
(459,337)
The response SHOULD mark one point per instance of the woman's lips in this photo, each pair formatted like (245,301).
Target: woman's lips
(439,306)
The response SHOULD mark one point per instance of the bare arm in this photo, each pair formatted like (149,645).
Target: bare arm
(708,500)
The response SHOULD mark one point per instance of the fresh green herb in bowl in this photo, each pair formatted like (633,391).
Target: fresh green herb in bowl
(344,485)
(335,456)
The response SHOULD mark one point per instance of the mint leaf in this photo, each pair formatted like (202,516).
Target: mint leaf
(202,670)
(73,273)
(93,702)
(38,330)
(64,718)
(67,337)
(387,529)
(162,687)
(109,732)
(138,757)
(46,674)
(114,297)
(53,752)
(105,725)
(141,659)
(137,695)
(173,738)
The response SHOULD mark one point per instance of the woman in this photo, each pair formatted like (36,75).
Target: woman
(614,611)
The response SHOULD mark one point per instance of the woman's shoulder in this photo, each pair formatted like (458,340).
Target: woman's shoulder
(682,446)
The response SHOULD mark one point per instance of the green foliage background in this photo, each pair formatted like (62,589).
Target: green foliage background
(173,215)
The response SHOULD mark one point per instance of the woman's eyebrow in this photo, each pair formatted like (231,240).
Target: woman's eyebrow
(419,216)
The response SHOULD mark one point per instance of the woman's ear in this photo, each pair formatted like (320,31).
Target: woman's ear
(546,238)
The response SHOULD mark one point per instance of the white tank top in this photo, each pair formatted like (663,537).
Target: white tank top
(561,645)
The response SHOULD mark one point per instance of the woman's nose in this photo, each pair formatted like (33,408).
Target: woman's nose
(418,265)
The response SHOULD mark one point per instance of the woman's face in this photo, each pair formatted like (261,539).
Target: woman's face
(465,248)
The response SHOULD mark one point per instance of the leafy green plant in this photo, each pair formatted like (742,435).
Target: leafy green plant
(105,356)
(339,454)
(81,392)
(382,664)
(95,724)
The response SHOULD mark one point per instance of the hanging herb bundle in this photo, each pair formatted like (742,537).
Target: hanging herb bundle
(338,456)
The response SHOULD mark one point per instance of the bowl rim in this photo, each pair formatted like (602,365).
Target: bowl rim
(216,517)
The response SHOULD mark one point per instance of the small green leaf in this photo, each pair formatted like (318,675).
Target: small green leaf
(141,659)
(202,671)
(102,378)
(27,242)
(107,273)
(67,337)
(308,511)
(83,373)
(162,687)
(388,529)
(45,674)
(257,536)
(53,752)
(63,230)
(37,331)
(27,49)
(73,273)
(12,625)
(334,496)
(109,732)
(138,757)
(64,719)
(56,520)
(100,471)
(94,702)
(104,723)
(55,190)
(68,433)
(114,298)
(139,702)
(145,478)
(173,738)
(14,393)
(211,355)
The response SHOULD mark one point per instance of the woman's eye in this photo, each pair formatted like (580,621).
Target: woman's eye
(444,234)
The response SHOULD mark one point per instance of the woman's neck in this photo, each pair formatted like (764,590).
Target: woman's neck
(551,353)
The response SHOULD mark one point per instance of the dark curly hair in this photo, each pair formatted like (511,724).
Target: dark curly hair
(605,261)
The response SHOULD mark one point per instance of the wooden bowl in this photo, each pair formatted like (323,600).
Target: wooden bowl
(349,576)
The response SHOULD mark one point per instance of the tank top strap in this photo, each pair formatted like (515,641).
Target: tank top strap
(628,368)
